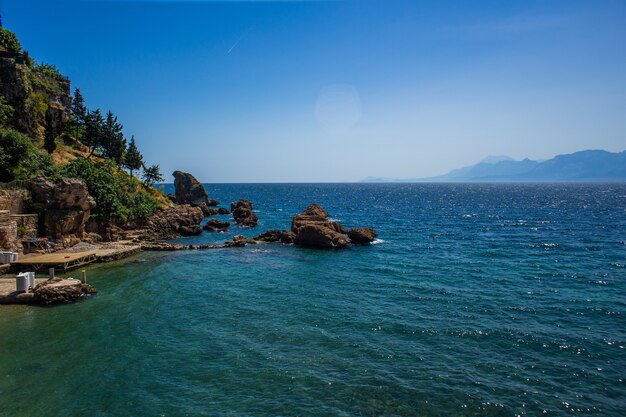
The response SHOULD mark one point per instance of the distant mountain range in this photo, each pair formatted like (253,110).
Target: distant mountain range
(583,166)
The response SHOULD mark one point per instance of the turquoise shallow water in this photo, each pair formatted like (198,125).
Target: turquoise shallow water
(481,300)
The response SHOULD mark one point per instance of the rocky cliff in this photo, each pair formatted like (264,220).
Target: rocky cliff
(31,92)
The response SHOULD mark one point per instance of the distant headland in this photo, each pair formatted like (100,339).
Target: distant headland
(583,166)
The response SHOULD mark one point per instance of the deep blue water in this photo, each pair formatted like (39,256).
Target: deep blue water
(481,300)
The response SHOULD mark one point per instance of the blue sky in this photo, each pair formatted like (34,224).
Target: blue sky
(340,90)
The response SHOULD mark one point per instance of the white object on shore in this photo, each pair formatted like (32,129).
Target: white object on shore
(8,257)
(21,282)
(31,279)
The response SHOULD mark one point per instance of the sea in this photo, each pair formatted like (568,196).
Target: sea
(475,300)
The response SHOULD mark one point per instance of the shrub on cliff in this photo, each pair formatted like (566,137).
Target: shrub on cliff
(116,195)
(20,159)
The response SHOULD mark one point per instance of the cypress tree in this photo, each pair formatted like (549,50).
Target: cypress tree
(113,143)
(50,135)
(133,160)
(94,126)
(79,111)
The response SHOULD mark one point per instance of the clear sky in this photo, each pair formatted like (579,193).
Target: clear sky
(340,90)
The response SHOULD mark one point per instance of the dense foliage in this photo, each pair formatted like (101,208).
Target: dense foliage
(9,40)
(116,194)
(20,159)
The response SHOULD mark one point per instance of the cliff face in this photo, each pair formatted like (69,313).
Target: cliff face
(30,92)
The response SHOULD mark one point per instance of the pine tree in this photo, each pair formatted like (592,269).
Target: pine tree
(151,175)
(113,143)
(79,111)
(133,160)
(94,126)
(50,134)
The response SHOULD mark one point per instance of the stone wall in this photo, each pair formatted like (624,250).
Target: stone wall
(13,200)
(8,232)
(27,224)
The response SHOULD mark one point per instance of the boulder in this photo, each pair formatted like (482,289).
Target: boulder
(66,205)
(189,190)
(269,236)
(243,214)
(208,211)
(60,290)
(319,236)
(287,237)
(362,236)
(189,230)
(165,224)
(212,203)
(223,210)
(215,225)
(239,241)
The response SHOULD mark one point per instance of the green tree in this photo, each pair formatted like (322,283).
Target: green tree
(113,143)
(50,134)
(151,175)
(14,147)
(79,111)
(133,160)
(9,40)
(94,127)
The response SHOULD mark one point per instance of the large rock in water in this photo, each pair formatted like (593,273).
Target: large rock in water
(362,236)
(215,225)
(66,204)
(313,229)
(243,214)
(189,190)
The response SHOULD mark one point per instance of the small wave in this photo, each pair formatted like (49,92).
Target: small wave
(261,251)
(469,216)
(333,219)
(377,242)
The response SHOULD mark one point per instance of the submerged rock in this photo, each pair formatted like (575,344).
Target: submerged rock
(362,236)
(223,210)
(243,214)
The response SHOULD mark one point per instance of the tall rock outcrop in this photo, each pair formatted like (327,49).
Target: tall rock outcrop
(189,190)
(30,92)
(66,205)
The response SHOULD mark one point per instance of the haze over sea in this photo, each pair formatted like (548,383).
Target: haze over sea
(478,299)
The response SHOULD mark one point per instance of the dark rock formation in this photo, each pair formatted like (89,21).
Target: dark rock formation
(166,224)
(243,214)
(223,210)
(208,211)
(215,225)
(59,290)
(66,205)
(212,203)
(239,241)
(284,236)
(313,229)
(362,236)
(319,236)
(25,90)
(189,190)
(189,230)
(287,237)
(172,197)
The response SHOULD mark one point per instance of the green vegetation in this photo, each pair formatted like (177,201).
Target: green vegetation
(20,159)
(116,195)
(24,155)
(133,160)
(152,175)
(9,41)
